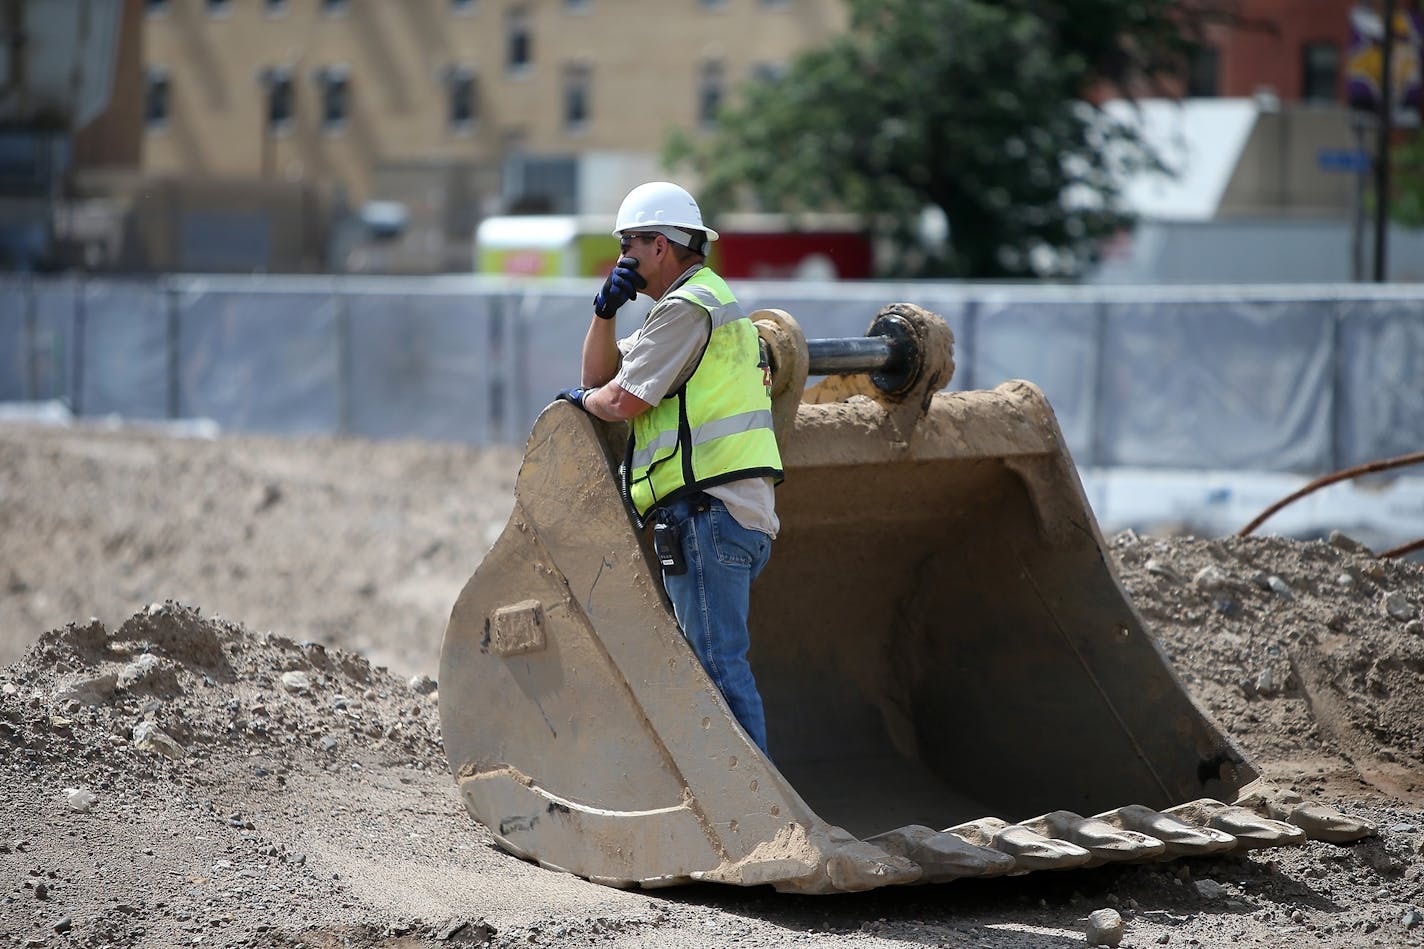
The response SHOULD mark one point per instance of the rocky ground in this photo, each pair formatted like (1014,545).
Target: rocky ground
(275,777)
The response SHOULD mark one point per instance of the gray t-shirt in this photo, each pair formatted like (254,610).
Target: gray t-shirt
(659,357)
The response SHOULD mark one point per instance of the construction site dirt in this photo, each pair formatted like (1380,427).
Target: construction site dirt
(219,725)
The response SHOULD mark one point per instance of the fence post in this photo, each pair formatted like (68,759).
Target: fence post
(174,348)
(76,366)
(343,360)
(495,422)
(1337,387)
(1097,438)
(964,357)
(31,344)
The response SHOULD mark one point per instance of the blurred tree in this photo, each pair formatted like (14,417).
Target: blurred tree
(977,109)
(1407,208)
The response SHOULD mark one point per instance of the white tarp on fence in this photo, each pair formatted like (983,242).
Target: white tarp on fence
(1294,380)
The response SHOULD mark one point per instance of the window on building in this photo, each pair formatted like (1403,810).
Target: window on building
(578,6)
(711,87)
(769,72)
(334,87)
(1320,79)
(219,7)
(519,41)
(537,184)
(462,7)
(577,81)
(461,89)
(275,7)
(281,101)
(1204,73)
(157,90)
(156,7)
(334,7)
(712,4)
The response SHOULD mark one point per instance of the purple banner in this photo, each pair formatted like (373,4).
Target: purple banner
(1366,59)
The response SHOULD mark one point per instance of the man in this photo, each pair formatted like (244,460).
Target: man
(702,458)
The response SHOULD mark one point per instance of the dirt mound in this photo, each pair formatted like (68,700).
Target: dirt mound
(170,777)
(171,747)
(339,541)
(241,788)
(1310,654)
(171,681)
(237,788)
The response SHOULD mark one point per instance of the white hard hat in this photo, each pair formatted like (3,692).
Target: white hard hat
(663,207)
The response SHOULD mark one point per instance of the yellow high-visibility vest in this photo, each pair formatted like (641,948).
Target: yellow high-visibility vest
(715,428)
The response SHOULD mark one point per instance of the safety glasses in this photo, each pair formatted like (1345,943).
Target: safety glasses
(626,240)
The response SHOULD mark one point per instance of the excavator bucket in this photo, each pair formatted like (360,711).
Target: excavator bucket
(955,683)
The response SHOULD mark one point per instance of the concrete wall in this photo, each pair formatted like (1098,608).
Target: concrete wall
(1279,171)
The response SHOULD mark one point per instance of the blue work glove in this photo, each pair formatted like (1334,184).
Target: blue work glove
(576,395)
(621,286)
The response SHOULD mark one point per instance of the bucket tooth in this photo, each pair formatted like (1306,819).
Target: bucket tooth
(1250,829)
(1319,821)
(1182,839)
(1030,849)
(856,865)
(1107,844)
(943,856)
(1322,822)
(815,858)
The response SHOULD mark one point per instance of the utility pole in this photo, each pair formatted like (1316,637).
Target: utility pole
(1359,185)
(1386,126)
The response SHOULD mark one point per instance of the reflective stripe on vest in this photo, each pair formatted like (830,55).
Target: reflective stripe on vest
(717,427)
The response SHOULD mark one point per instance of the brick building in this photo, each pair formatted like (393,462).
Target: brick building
(1293,49)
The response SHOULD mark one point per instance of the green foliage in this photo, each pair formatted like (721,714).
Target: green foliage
(1407,208)
(975,108)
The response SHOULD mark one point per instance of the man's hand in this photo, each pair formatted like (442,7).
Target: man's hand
(574,394)
(621,286)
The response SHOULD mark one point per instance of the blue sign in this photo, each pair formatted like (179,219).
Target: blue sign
(1343,159)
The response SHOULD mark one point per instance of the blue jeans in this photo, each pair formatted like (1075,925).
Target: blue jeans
(713,597)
